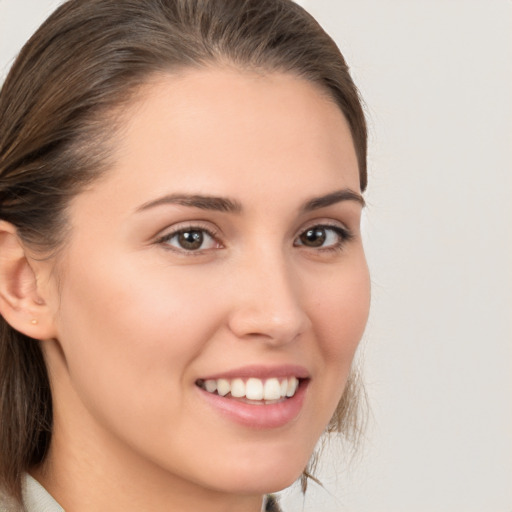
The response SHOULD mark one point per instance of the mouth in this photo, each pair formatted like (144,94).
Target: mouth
(253,390)
(257,397)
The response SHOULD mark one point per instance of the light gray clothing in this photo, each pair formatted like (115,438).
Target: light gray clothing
(36,498)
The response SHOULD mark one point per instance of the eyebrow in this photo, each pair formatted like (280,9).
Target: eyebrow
(334,197)
(223,204)
(219,204)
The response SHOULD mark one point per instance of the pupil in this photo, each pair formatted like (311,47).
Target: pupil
(313,237)
(191,239)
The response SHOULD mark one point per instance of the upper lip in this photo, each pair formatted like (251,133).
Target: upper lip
(261,372)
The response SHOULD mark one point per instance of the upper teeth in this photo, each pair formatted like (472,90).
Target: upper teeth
(253,389)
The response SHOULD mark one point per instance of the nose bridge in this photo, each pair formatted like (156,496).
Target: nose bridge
(268,302)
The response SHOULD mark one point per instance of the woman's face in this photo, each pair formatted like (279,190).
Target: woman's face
(222,249)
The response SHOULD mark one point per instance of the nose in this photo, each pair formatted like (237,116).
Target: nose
(267,302)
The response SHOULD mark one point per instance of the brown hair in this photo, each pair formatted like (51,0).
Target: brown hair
(57,109)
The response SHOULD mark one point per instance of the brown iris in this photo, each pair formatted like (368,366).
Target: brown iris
(314,237)
(191,240)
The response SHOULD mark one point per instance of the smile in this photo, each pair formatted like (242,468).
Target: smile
(269,390)
(256,396)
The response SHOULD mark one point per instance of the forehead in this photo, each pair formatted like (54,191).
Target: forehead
(231,132)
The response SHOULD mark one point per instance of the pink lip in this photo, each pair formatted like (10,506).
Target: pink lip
(258,416)
(262,372)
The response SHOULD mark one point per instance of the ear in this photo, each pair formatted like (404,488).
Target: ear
(21,303)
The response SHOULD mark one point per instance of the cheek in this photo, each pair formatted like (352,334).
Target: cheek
(341,312)
(129,332)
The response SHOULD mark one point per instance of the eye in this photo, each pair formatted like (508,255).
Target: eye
(323,237)
(190,240)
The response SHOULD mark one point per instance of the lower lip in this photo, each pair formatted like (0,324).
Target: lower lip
(259,416)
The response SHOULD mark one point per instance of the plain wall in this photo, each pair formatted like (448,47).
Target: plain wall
(437,79)
(436,76)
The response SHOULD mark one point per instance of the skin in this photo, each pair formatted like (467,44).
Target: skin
(135,320)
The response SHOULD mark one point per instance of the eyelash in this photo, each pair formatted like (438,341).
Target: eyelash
(343,234)
(165,240)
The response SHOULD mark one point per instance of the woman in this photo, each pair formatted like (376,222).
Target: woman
(182,281)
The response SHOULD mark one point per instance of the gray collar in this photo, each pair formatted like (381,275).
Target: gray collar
(36,498)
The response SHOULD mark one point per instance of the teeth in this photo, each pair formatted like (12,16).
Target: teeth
(223,387)
(272,390)
(237,388)
(293,384)
(284,387)
(211,386)
(253,389)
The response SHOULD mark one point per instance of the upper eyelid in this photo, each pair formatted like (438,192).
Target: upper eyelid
(218,235)
(190,226)
(333,224)
(342,231)
(166,236)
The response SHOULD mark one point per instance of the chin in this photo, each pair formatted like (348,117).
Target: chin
(262,476)
(273,480)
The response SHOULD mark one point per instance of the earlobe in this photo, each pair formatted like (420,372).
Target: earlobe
(21,305)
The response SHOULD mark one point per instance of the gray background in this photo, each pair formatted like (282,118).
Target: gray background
(437,79)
